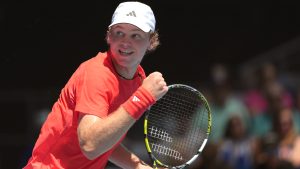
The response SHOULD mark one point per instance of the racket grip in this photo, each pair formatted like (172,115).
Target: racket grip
(138,103)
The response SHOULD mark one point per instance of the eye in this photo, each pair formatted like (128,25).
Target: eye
(136,36)
(119,33)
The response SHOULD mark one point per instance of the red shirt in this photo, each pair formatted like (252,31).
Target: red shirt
(94,88)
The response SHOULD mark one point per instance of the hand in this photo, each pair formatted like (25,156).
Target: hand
(156,85)
(146,166)
(143,166)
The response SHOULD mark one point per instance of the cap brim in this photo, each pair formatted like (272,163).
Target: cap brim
(143,28)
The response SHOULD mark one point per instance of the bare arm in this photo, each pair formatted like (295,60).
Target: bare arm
(295,158)
(98,135)
(124,158)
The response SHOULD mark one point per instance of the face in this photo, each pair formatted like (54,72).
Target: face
(128,45)
(237,127)
(285,121)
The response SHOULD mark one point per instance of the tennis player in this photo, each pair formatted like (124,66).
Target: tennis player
(104,97)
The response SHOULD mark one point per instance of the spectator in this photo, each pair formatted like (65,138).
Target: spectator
(224,102)
(282,143)
(237,149)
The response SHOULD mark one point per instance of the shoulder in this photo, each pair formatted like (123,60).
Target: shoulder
(95,72)
(97,66)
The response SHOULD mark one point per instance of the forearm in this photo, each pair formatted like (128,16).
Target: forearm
(98,135)
(123,158)
(295,157)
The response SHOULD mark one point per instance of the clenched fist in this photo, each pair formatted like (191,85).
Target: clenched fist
(156,85)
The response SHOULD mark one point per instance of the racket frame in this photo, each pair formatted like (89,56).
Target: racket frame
(189,162)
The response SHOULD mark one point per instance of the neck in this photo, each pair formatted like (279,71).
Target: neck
(124,76)
(123,72)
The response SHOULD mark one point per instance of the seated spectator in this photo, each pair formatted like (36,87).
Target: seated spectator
(237,149)
(296,111)
(282,143)
(224,102)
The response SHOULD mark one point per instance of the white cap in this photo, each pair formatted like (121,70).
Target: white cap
(135,13)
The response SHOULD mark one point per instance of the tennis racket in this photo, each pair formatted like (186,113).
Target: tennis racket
(177,127)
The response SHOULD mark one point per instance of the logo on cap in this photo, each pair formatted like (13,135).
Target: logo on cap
(132,13)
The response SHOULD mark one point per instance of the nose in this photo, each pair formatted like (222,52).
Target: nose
(126,42)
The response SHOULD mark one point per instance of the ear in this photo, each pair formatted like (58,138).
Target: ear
(107,39)
(149,46)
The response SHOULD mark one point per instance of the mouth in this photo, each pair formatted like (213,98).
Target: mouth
(125,53)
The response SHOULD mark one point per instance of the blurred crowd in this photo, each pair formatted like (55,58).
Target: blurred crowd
(256,120)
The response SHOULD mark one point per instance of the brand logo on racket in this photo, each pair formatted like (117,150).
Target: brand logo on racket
(167,151)
(135,99)
(160,134)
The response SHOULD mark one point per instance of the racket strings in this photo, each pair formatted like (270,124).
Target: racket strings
(177,125)
(196,132)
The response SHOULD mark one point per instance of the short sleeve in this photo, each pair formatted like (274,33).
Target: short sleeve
(92,94)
